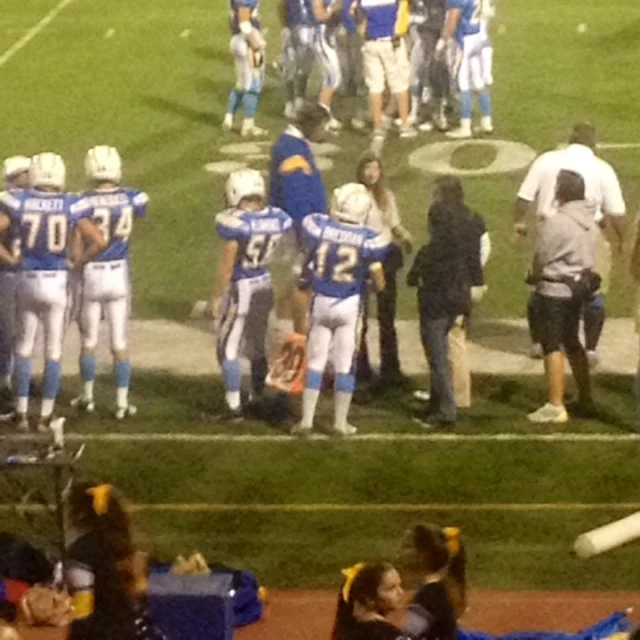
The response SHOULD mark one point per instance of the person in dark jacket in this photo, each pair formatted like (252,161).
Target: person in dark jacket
(102,570)
(444,272)
(369,593)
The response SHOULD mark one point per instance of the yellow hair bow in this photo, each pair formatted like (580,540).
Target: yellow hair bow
(452,535)
(350,574)
(101,495)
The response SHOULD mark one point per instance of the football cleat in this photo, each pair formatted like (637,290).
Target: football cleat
(406,133)
(126,412)
(83,404)
(227,123)
(486,125)
(21,422)
(253,131)
(345,430)
(44,423)
(301,430)
(334,125)
(425,126)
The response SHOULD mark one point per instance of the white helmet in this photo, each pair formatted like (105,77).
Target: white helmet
(103,164)
(47,170)
(351,203)
(14,166)
(243,184)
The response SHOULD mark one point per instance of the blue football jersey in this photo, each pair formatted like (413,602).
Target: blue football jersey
(10,239)
(234,7)
(257,233)
(298,14)
(340,255)
(469,23)
(113,212)
(42,223)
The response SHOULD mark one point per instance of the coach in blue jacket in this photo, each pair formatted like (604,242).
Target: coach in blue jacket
(296,185)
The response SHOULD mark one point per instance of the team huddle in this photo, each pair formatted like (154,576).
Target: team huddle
(64,257)
(416,58)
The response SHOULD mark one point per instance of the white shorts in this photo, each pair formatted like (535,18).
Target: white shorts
(249,77)
(385,64)
(105,286)
(245,318)
(475,71)
(335,330)
(42,297)
(326,53)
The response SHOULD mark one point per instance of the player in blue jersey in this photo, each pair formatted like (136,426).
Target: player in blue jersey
(15,174)
(464,23)
(248,48)
(46,223)
(242,295)
(105,280)
(344,254)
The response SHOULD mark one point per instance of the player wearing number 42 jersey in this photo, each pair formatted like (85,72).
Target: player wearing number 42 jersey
(344,254)
(242,295)
(105,281)
(46,223)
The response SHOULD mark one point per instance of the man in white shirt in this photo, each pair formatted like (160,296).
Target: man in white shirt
(602,188)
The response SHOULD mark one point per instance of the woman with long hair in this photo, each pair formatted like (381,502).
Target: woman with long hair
(384,218)
(102,569)
(368,595)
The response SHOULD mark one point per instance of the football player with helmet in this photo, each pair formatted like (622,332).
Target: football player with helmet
(242,295)
(106,283)
(15,175)
(45,222)
(248,48)
(344,254)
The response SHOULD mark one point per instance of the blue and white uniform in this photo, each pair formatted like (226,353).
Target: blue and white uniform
(340,257)
(249,298)
(8,306)
(250,67)
(42,223)
(472,39)
(325,46)
(105,281)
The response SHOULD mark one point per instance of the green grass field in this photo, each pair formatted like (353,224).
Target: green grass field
(151,77)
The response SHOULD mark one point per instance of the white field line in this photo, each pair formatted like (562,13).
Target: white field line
(619,145)
(350,508)
(33,32)
(365,437)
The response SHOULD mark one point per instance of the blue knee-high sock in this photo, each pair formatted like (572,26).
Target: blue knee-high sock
(258,375)
(485,102)
(235,98)
(314,380)
(250,103)
(232,375)
(465,104)
(123,373)
(345,383)
(51,379)
(23,376)
(88,368)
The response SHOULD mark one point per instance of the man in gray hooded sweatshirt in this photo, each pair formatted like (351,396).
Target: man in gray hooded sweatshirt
(564,254)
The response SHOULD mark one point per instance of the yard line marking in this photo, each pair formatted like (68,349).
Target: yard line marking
(199,507)
(364,437)
(619,145)
(33,32)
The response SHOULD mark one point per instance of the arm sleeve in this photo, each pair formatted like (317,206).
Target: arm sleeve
(229,227)
(140,201)
(531,184)
(295,172)
(612,199)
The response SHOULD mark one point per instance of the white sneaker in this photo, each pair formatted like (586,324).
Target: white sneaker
(253,131)
(422,395)
(411,121)
(441,122)
(549,413)
(358,124)
(227,123)
(486,124)
(83,404)
(126,412)
(406,133)
(425,126)
(346,430)
(290,111)
(377,141)
(301,430)
(461,133)
(334,124)
(22,423)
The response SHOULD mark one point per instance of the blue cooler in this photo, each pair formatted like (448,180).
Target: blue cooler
(192,607)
